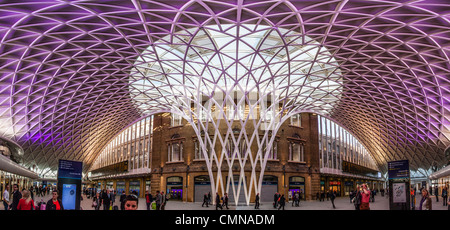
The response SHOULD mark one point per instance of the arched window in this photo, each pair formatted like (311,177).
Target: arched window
(175,149)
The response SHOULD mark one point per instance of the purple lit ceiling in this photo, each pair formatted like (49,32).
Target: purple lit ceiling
(65,69)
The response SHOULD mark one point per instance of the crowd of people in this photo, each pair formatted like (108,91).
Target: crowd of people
(24,199)
(106,199)
(425,202)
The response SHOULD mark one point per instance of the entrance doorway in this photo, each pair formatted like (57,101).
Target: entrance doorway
(269,188)
(202,186)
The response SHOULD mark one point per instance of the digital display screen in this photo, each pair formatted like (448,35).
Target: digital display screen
(69,193)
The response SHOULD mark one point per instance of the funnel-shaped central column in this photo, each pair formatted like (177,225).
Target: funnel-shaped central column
(235,84)
(242,127)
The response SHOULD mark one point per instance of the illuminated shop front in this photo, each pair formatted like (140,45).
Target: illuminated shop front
(174,187)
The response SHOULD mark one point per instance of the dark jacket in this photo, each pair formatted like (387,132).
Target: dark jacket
(148,197)
(217,199)
(106,198)
(17,195)
(358,198)
(51,206)
(282,200)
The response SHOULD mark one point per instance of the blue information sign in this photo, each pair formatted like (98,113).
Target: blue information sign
(70,169)
(398,169)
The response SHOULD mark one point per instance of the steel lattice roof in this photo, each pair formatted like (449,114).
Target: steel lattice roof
(65,69)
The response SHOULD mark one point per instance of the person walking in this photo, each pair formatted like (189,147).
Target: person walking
(445,195)
(122,200)
(218,201)
(106,200)
(164,199)
(257,201)
(276,196)
(54,203)
(113,198)
(205,200)
(225,201)
(17,195)
(425,202)
(293,199)
(158,200)
(148,199)
(413,199)
(282,202)
(365,197)
(6,197)
(332,197)
(26,203)
(96,201)
(436,193)
(357,198)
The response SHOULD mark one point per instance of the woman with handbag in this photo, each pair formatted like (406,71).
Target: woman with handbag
(96,201)
(365,198)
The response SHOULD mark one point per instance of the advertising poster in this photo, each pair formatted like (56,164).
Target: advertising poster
(69,183)
(399,193)
(69,196)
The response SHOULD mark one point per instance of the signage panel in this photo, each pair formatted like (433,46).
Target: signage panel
(398,169)
(70,169)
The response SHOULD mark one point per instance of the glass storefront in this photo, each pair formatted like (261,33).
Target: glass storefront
(348,187)
(175,188)
(120,186)
(109,185)
(335,186)
(135,186)
(296,185)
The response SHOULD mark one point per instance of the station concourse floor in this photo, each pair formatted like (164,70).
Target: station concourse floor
(341,203)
